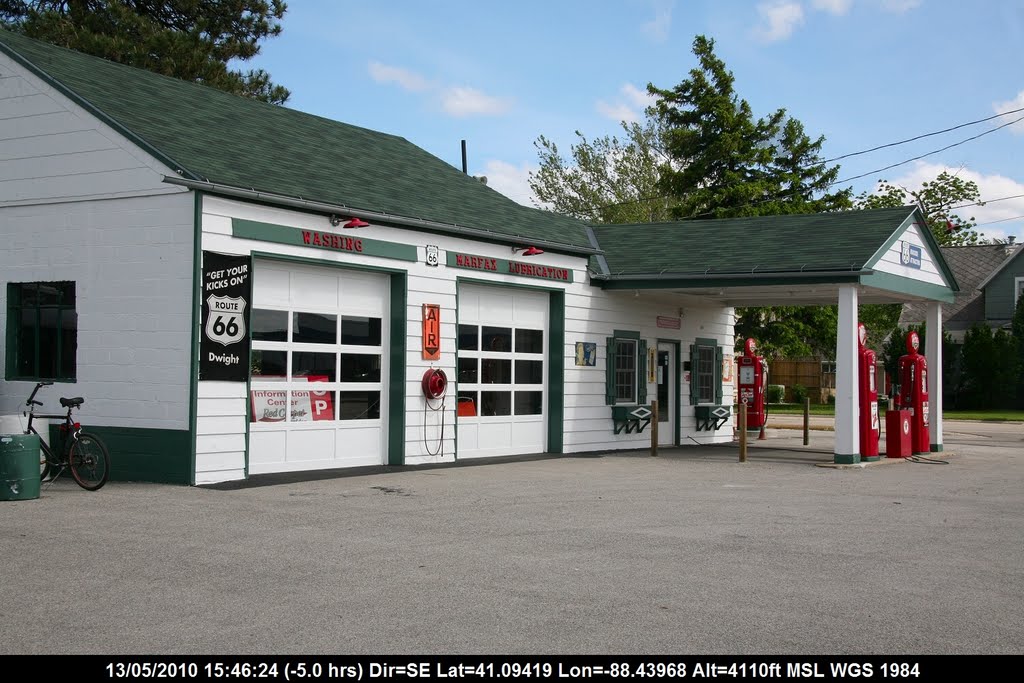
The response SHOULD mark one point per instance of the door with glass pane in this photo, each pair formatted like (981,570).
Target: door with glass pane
(667,378)
(501,382)
(317,371)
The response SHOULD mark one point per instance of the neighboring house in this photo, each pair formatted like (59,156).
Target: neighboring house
(238,288)
(991,277)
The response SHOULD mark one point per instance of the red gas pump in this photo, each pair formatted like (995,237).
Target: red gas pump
(914,393)
(753,384)
(869,428)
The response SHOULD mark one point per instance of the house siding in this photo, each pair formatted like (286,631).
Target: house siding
(64,216)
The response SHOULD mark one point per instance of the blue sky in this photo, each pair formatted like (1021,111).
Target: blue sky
(862,73)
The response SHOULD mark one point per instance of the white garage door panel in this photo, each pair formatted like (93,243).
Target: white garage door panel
(322,327)
(502,338)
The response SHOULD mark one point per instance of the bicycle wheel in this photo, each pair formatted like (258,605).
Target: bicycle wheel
(44,465)
(89,462)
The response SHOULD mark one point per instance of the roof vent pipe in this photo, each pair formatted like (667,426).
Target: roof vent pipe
(465,168)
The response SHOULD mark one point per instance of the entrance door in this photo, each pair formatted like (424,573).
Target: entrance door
(668,392)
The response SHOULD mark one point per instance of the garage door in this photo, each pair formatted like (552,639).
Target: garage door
(318,376)
(502,371)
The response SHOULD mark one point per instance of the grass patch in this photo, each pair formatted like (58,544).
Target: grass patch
(830,410)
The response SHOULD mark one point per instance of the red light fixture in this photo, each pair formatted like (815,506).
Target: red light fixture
(348,222)
(527,251)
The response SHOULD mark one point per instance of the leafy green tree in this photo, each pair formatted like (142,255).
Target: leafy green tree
(989,359)
(723,162)
(608,180)
(938,200)
(1017,326)
(194,40)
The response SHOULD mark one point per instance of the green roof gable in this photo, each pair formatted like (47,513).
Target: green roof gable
(206,134)
(826,242)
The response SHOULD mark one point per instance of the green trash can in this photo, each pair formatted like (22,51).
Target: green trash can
(19,466)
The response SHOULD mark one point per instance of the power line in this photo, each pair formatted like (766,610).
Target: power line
(856,177)
(928,154)
(982,202)
(1001,220)
(921,137)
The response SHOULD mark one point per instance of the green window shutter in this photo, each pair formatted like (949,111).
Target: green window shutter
(641,372)
(693,375)
(609,371)
(718,375)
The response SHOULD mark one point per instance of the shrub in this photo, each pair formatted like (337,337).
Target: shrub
(776,393)
(799,393)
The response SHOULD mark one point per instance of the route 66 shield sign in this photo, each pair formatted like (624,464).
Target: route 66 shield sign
(226,322)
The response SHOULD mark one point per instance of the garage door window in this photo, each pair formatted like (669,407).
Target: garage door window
(500,371)
(295,350)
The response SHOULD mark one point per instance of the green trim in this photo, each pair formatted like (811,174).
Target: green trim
(500,266)
(846,459)
(324,263)
(936,448)
(138,454)
(716,380)
(903,285)
(933,247)
(556,372)
(353,244)
(10,364)
(193,383)
(769,279)
(625,334)
(870,458)
(397,369)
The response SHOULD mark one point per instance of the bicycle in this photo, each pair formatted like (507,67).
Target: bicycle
(81,452)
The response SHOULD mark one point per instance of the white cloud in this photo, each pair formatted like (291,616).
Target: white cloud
(464,101)
(629,110)
(408,80)
(617,112)
(992,186)
(899,6)
(637,97)
(511,181)
(658,28)
(834,6)
(1016,103)
(782,18)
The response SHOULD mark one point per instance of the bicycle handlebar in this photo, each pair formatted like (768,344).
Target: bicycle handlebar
(31,399)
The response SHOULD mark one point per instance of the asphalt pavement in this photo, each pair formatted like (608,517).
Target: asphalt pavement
(690,552)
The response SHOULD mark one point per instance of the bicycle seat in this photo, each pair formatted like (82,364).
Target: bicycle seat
(71,402)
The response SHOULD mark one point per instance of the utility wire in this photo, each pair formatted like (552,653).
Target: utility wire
(1001,220)
(920,137)
(845,180)
(927,154)
(982,202)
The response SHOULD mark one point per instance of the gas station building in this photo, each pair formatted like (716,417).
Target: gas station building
(237,288)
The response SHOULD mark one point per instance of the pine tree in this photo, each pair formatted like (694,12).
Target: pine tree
(724,162)
(193,40)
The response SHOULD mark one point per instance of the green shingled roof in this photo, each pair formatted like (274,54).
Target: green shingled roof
(210,135)
(828,242)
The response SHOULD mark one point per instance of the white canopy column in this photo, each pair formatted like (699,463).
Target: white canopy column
(847,445)
(933,352)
